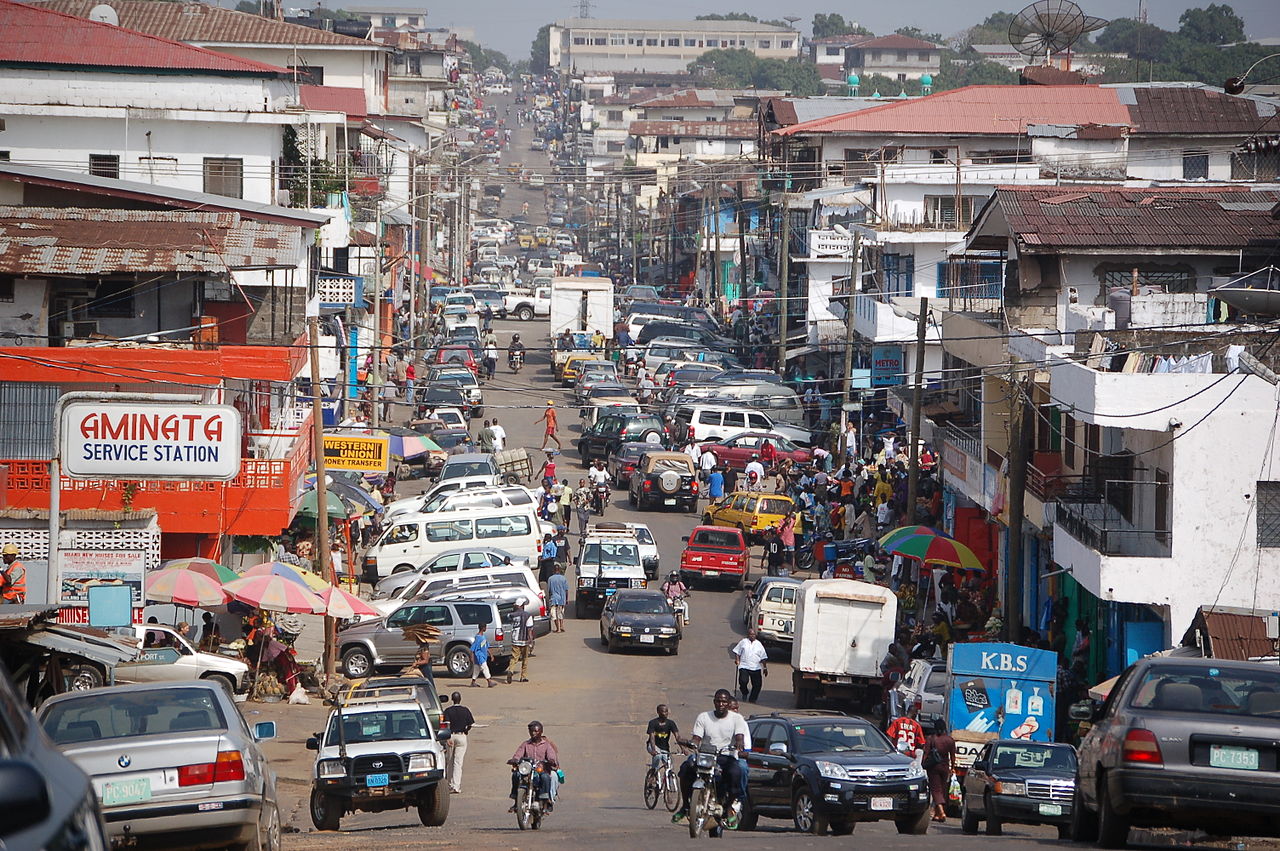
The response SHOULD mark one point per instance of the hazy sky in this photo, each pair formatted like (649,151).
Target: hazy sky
(509,25)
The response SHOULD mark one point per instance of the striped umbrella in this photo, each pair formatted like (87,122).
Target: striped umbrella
(275,594)
(341,604)
(207,566)
(184,587)
(907,531)
(293,573)
(932,549)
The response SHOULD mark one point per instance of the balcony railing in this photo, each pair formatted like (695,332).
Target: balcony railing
(1092,518)
(968,439)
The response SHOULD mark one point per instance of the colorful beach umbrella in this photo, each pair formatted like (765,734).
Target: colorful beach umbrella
(275,594)
(341,604)
(217,572)
(932,549)
(184,587)
(907,531)
(294,573)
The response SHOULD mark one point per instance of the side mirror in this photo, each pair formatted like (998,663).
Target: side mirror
(264,730)
(684,538)
(24,797)
(443,735)
(1084,710)
(313,743)
(778,749)
(980,765)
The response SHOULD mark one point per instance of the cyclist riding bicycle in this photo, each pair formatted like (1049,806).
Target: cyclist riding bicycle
(661,732)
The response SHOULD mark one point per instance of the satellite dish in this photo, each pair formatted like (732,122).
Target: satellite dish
(104,14)
(1047,27)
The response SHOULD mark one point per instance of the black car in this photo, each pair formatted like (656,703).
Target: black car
(827,770)
(1181,742)
(1014,780)
(639,617)
(613,430)
(444,395)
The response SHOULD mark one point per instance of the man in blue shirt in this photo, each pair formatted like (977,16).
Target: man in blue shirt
(715,484)
(480,656)
(547,558)
(557,598)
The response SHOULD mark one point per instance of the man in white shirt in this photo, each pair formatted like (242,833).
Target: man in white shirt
(753,664)
(724,730)
(499,436)
(706,463)
(754,466)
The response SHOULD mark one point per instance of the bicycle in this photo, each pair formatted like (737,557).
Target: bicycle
(661,782)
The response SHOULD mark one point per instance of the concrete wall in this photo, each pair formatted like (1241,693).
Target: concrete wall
(348,68)
(1160,157)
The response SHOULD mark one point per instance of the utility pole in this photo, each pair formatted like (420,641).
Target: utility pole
(322,491)
(375,371)
(855,278)
(784,279)
(716,288)
(917,398)
(743,221)
(1019,451)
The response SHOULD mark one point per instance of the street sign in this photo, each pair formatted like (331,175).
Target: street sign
(888,366)
(362,454)
(149,440)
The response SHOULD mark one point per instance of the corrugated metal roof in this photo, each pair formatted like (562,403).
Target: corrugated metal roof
(1096,217)
(39,36)
(80,241)
(1236,636)
(892,41)
(689,97)
(203,23)
(348,101)
(1176,109)
(699,129)
(978,110)
(21,617)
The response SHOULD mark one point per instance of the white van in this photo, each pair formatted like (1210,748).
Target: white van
(411,539)
(430,584)
(714,422)
(446,498)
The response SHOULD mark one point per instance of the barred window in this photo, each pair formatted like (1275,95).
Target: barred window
(1269,514)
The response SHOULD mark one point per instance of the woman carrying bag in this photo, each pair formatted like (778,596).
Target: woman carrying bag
(939,762)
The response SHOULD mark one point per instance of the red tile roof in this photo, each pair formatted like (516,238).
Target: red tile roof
(699,129)
(979,110)
(37,36)
(200,22)
(1188,217)
(349,102)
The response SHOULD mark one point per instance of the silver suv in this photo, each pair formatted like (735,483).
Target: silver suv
(370,645)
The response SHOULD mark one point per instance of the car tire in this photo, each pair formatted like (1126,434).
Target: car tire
(749,819)
(524,313)
(326,811)
(85,676)
(1113,828)
(631,498)
(842,827)
(1084,822)
(459,661)
(498,665)
(610,645)
(804,698)
(267,837)
(968,821)
(673,650)
(995,827)
(915,825)
(579,609)
(477,412)
(433,805)
(706,520)
(805,815)
(401,568)
(1064,832)
(357,663)
(223,680)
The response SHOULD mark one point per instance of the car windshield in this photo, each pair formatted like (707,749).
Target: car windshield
(620,555)
(716,538)
(394,724)
(773,505)
(449,439)
(1218,690)
(680,465)
(115,715)
(644,606)
(644,536)
(1033,756)
(836,736)
(466,468)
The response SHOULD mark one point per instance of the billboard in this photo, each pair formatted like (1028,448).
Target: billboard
(1002,690)
(80,570)
(888,366)
(149,440)
(362,454)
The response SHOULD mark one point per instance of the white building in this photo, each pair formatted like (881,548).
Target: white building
(597,45)
(898,57)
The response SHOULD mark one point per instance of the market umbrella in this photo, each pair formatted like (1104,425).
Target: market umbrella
(341,604)
(293,573)
(275,594)
(907,531)
(932,549)
(310,504)
(184,587)
(356,496)
(217,572)
(404,442)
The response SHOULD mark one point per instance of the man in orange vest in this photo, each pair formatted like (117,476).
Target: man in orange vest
(13,577)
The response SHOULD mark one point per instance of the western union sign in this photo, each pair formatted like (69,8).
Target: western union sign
(362,454)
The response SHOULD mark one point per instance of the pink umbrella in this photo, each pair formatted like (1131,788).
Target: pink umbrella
(341,604)
(291,572)
(184,587)
(275,594)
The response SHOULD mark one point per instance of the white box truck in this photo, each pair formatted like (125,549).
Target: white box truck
(582,304)
(843,629)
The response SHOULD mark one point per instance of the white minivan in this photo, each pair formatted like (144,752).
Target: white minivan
(411,539)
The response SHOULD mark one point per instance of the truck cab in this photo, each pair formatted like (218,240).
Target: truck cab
(609,559)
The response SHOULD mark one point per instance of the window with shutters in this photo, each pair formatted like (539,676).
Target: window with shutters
(941,209)
(1269,514)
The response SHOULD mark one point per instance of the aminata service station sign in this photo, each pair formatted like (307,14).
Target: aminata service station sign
(146,440)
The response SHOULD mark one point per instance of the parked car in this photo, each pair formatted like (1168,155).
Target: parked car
(622,464)
(828,771)
(165,656)
(463,558)
(370,645)
(1184,743)
(770,607)
(611,431)
(714,554)
(639,617)
(592,374)
(47,799)
(751,512)
(710,420)
(459,354)
(445,497)
(471,465)
(737,451)
(1018,781)
(925,684)
(664,479)
(173,763)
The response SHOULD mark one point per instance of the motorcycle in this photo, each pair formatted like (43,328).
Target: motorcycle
(529,809)
(706,805)
(600,499)
(515,360)
(680,604)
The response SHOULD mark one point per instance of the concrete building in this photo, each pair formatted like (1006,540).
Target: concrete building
(594,45)
(895,56)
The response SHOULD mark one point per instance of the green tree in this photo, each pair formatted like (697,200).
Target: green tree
(1141,41)
(741,69)
(833,23)
(540,50)
(250,6)
(1214,24)
(916,32)
(727,16)
(483,57)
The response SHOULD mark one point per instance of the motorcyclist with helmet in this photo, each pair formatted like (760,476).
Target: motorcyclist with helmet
(515,353)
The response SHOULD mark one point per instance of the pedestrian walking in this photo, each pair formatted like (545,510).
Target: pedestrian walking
(460,723)
(486,439)
(566,502)
(549,418)
(752,661)
(582,506)
(521,626)
(557,598)
(480,656)
(499,436)
(939,762)
(547,558)
(906,733)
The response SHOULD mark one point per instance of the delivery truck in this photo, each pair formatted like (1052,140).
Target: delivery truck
(581,304)
(842,631)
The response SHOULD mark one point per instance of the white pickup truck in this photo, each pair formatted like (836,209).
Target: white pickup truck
(526,305)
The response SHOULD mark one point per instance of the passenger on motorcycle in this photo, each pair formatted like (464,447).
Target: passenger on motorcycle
(727,732)
(542,752)
(674,588)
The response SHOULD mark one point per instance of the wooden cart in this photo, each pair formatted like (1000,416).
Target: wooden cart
(515,465)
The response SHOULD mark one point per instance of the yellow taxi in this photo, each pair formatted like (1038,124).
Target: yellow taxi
(542,235)
(525,240)
(569,370)
(751,512)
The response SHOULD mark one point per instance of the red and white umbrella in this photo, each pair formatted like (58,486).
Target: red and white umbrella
(275,594)
(184,587)
(342,604)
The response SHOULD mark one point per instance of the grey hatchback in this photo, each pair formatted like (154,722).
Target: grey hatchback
(1181,742)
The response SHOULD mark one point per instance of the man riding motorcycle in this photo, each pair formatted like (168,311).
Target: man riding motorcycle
(540,750)
(727,732)
(515,353)
(674,588)
(598,476)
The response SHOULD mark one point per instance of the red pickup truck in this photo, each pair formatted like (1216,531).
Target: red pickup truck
(714,554)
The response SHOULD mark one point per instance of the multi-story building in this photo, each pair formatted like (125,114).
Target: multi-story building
(895,56)
(588,45)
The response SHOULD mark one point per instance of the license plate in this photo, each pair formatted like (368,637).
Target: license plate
(1051,809)
(374,780)
(1231,756)
(843,680)
(131,791)
(646,639)
(668,502)
(882,803)
(711,573)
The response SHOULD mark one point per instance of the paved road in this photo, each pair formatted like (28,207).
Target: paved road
(594,705)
